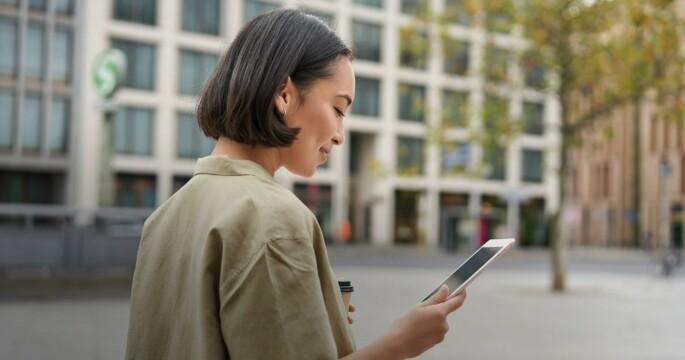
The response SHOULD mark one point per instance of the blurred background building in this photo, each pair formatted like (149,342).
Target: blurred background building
(391,182)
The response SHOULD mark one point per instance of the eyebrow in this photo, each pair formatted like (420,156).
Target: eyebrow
(346,97)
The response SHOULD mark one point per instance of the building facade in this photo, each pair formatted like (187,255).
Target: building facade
(391,182)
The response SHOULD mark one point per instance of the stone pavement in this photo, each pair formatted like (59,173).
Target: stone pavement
(632,313)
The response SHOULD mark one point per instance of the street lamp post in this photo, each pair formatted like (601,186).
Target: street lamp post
(108,76)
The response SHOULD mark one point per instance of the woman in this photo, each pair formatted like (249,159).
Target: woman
(234,266)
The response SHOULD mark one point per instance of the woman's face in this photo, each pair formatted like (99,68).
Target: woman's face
(319,118)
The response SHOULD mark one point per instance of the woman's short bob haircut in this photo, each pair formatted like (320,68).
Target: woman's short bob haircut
(238,99)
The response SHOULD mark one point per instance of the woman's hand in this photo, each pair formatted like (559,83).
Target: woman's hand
(425,325)
(416,331)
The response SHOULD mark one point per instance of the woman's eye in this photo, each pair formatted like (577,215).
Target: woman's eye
(340,113)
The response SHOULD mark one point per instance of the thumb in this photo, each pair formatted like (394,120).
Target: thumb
(437,297)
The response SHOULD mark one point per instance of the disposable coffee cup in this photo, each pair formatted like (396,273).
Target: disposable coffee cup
(346,289)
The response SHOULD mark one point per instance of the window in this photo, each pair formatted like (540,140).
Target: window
(7,103)
(457,11)
(61,55)
(59,125)
(191,141)
(9,3)
(496,64)
(196,67)
(132,130)
(533,116)
(371,3)
(178,182)
(31,123)
(412,7)
(455,108)
(327,19)
(64,7)
(319,199)
(495,159)
(534,71)
(256,7)
(414,48)
(456,53)
(38,5)
(140,11)
(8,42)
(201,16)
(21,187)
(410,156)
(135,191)
(532,165)
(140,67)
(367,97)
(499,16)
(456,158)
(367,40)
(495,112)
(412,102)
(35,56)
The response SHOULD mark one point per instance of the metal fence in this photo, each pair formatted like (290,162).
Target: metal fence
(46,238)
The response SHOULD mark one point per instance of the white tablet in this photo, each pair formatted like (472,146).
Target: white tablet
(473,266)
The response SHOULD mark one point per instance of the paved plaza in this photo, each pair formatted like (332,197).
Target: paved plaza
(617,307)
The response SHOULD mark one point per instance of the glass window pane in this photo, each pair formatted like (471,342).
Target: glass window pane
(9,2)
(8,42)
(532,165)
(412,102)
(456,53)
(372,3)
(119,133)
(39,5)
(7,103)
(455,108)
(410,156)
(59,125)
(496,64)
(34,50)
(414,48)
(495,158)
(184,137)
(196,67)
(201,16)
(495,111)
(142,131)
(413,6)
(64,7)
(30,125)
(140,72)
(327,19)
(367,41)
(135,190)
(140,11)
(61,55)
(457,11)
(534,71)
(499,16)
(456,158)
(367,97)
(256,7)
(533,116)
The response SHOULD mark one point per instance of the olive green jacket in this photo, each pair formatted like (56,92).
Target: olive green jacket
(234,266)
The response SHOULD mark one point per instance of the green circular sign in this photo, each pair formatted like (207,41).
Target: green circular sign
(109,72)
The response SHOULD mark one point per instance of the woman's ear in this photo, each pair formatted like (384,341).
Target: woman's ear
(285,97)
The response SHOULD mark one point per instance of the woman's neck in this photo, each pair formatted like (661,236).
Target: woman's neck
(268,158)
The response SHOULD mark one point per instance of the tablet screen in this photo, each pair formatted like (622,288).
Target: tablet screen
(467,269)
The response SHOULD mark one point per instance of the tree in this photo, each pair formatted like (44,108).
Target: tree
(607,53)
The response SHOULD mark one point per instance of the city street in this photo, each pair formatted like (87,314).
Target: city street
(617,307)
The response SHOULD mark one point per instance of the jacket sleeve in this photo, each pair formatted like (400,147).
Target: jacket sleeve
(275,309)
